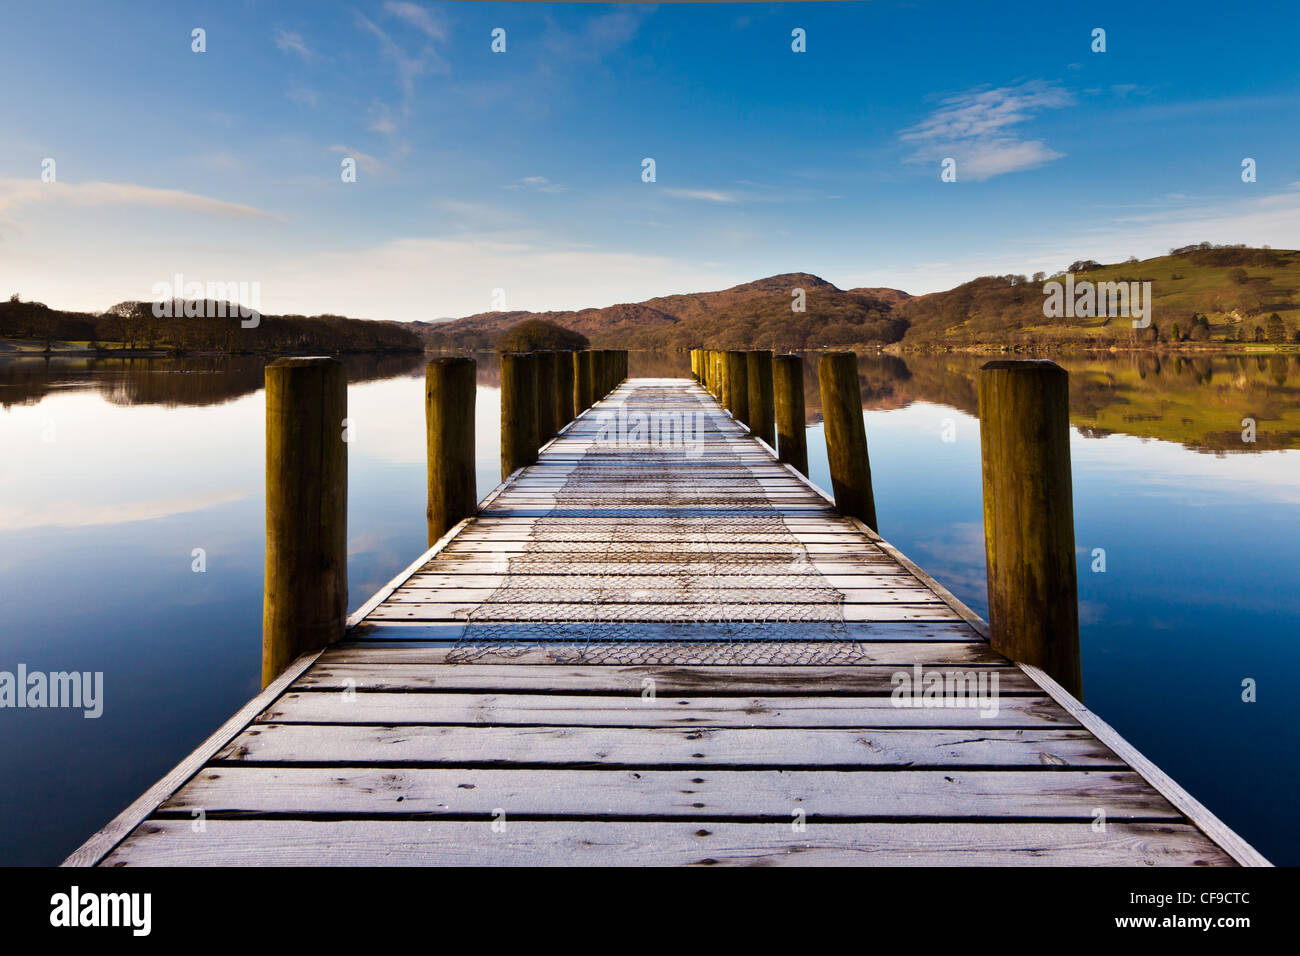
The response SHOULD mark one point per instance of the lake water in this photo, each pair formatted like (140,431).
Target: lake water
(113,473)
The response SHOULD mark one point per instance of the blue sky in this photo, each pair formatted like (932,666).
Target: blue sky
(521,170)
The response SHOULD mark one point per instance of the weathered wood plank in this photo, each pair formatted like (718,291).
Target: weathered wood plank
(362,744)
(413,642)
(571,591)
(635,679)
(698,792)
(454,576)
(547,843)
(632,710)
(524,611)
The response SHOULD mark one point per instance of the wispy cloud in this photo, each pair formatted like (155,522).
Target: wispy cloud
(304,96)
(18,193)
(706,195)
(292,43)
(418,17)
(538,184)
(409,66)
(368,163)
(598,37)
(976,129)
(79,514)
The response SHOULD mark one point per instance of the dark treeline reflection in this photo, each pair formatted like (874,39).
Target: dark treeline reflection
(1203,401)
(205,380)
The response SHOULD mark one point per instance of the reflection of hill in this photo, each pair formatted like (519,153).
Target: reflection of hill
(1198,402)
(207,380)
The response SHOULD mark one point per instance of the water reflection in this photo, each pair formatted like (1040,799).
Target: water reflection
(1198,401)
(172,382)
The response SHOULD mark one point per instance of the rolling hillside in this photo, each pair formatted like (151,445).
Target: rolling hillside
(1201,294)
(753,312)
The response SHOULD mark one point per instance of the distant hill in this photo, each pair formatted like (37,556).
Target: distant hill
(1201,293)
(759,311)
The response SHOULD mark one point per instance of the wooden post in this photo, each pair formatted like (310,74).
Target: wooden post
(597,375)
(582,388)
(449,391)
(719,374)
(791,432)
(846,436)
(724,379)
(564,388)
(695,364)
(518,411)
(1029,517)
(306,596)
(759,374)
(737,371)
(546,402)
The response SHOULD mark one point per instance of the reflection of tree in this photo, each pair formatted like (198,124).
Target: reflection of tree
(204,380)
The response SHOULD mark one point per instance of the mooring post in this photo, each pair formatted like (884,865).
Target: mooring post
(737,372)
(724,378)
(761,414)
(582,387)
(564,369)
(1029,517)
(519,440)
(449,393)
(598,375)
(306,595)
(846,436)
(546,403)
(791,433)
(695,364)
(719,375)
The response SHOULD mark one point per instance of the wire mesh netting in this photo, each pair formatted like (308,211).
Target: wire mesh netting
(718,575)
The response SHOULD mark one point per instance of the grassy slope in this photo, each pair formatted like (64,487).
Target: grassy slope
(990,311)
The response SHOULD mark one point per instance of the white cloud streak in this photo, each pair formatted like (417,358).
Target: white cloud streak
(975,129)
(20,193)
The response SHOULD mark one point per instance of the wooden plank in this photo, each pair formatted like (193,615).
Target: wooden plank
(457,577)
(716,681)
(619,565)
(414,642)
(699,792)
(696,611)
(571,591)
(371,744)
(546,843)
(632,710)
(684,548)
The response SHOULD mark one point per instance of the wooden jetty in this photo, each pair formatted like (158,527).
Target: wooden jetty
(659,644)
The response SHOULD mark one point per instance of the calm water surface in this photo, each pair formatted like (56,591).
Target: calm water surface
(114,472)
